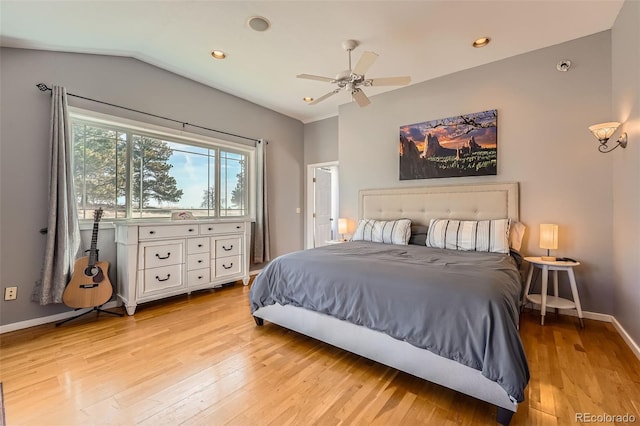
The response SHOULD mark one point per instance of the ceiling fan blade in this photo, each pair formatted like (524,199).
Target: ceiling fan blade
(390,81)
(366,60)
(323,97)
(360,97)
(315,77)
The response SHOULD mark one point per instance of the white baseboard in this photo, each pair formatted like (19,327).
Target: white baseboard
(625,336)
(51,318)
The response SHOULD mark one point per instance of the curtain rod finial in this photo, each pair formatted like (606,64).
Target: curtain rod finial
(43,87)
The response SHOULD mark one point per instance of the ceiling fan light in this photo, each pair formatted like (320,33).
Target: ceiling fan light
(307,99)
(218,54)
(481,42)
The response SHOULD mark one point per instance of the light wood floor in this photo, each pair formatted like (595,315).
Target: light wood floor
(200,360)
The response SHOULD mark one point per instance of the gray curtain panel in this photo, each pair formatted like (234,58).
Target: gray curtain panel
(261,252)
(63,231)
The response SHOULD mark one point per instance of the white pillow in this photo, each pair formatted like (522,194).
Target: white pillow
(383,231)
(469,235)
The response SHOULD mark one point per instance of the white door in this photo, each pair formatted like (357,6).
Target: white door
(322,204)
(322,231)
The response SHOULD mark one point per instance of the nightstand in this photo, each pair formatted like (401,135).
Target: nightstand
(554,301)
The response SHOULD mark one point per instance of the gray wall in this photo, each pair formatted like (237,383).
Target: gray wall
(626,171)
(543,143)
(24,149)
(321,141)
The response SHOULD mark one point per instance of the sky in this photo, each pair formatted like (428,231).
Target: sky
(454,135)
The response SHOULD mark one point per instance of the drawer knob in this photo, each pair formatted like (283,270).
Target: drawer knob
(227,249)
(227,267)
(190,229)
(152,232)
(209,229)
(200,277)
(200,261)
(199,245)
(163,258)
(238,227)
(163,279)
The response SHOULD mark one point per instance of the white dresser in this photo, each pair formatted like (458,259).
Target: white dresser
(165,258)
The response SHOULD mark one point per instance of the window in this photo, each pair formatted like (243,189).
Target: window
(136,172)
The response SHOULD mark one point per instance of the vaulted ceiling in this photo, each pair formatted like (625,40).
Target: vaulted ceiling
(421,39)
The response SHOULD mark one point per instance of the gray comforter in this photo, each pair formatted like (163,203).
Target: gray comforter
(459,305)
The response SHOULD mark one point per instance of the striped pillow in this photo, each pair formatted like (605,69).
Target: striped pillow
(381,231)
(469,235)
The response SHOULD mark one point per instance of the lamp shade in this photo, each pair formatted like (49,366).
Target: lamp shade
(548,236)
(604,131)
(342,225)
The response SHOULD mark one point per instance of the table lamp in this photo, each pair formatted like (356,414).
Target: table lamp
(342,227)
(548,239)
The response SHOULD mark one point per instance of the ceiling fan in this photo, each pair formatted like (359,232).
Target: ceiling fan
(353,79)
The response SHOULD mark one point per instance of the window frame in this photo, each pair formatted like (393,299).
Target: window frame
(173,135)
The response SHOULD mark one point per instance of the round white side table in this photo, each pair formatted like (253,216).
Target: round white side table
(554,301)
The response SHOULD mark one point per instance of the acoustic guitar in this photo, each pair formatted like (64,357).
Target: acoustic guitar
(89,286)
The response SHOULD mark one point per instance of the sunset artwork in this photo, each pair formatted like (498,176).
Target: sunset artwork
(463,145)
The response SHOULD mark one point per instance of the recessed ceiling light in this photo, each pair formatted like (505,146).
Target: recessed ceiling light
(481,42)
(258,23)
(307,99)
(218,54)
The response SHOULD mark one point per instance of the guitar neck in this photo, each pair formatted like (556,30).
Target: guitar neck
(93,251)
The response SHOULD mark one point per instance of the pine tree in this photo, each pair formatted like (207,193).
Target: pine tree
(100,155)
(151,167)
(237,195)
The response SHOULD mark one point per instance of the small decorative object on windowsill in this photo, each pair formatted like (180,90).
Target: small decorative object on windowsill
(342,228)
(182,215)
(548,239)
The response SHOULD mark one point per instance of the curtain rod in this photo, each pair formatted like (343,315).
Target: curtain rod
(43,87)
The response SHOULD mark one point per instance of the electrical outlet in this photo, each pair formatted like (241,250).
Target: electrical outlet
(10,293)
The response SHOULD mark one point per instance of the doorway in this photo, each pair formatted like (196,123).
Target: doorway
(322,204)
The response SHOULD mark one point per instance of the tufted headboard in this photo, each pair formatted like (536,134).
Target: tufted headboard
(421,204)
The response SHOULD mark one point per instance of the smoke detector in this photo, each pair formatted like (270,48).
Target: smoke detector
(258,23)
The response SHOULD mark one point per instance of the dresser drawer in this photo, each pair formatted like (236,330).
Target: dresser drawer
(228,266)
(227,246)
(221,228)
(166,231)
(198,245)
(163,255)
(198,277)
(197,261)
(162,279)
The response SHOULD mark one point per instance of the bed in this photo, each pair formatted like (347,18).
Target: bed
(470,342)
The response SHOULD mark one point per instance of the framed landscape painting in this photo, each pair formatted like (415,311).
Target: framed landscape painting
(463,145)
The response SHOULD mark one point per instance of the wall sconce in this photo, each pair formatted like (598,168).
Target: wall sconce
(604,131)
(342,227)
(548,239)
